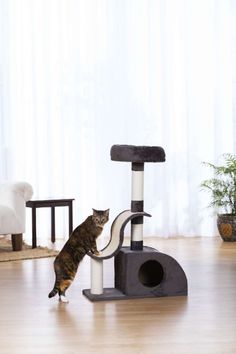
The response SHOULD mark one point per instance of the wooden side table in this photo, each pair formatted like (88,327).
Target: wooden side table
(49,203)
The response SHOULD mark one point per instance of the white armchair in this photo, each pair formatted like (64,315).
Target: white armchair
(13,198)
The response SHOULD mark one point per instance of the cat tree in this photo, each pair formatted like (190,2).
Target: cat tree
(140,271)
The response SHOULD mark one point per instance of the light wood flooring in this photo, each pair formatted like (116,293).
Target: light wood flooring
(202,322)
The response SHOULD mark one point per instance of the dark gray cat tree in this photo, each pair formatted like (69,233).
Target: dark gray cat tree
(140,271)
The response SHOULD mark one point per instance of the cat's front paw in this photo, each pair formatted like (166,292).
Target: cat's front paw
(96,252)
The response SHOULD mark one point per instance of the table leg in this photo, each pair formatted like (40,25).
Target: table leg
(34,236)
(53,224)
(70,217)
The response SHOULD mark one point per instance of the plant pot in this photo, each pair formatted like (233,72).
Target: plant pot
(226,224)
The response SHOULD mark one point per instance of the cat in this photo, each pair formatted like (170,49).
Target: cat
(81,241)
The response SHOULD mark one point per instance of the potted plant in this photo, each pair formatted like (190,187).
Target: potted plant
(222,188)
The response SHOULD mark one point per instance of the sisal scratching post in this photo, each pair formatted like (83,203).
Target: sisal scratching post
(96,276)
(137,185)
(137,155)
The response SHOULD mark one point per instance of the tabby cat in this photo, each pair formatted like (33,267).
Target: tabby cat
(81,241)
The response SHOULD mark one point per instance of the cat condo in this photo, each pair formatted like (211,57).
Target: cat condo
(140,271)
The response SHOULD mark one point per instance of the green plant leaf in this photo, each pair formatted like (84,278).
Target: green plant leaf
(222,186)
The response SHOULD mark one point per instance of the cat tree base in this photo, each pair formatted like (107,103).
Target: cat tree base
(108,294)
(115,294)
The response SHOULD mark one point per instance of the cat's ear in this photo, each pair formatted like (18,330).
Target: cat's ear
(107,212)
(94,211)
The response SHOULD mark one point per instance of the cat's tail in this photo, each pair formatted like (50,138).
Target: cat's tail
(54,291)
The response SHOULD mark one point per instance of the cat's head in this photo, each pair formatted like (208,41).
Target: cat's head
(100,217)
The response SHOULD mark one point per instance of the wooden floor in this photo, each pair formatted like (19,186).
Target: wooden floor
(202,322)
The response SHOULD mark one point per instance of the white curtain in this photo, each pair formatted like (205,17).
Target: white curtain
(77,76)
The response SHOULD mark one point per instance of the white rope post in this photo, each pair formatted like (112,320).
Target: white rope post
(96,276)
(137,185)
(137,205)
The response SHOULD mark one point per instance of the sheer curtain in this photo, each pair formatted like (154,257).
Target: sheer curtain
(77,76)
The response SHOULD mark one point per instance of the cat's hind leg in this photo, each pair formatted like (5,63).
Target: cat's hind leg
(63,287)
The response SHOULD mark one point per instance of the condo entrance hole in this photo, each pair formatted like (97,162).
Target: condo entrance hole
(151,273)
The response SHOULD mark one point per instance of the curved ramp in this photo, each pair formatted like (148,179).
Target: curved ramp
(117,234)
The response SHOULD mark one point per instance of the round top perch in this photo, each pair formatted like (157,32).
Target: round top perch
(137,154)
